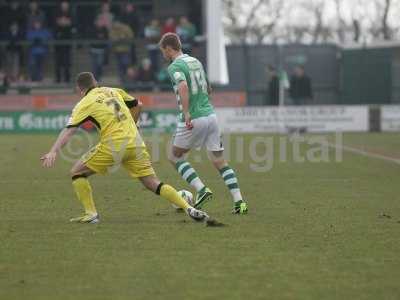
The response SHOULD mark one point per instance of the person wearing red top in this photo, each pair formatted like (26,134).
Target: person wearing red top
(169,26)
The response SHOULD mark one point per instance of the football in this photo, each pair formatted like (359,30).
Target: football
(188,196)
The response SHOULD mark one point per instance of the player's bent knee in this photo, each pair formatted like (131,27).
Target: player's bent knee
(219,163)
(177,154)
(74,173)
(172,158)
(76,176)
(217,159)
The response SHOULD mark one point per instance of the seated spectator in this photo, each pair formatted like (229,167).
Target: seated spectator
(152,33)
(146,71)
(63,31)
(4,82)
(121,36)
(35,15)
(300,87)
(98,49)
(132,75)
(38,38)
(163,76)
(105,18)
(14,53)
(186,30)
(22,80)
(169,26)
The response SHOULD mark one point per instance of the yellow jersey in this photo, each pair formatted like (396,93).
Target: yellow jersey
(108,108)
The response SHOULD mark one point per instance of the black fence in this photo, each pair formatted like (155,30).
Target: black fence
(338,76)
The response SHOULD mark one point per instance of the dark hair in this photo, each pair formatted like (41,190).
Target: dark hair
(85,80)
(170,40)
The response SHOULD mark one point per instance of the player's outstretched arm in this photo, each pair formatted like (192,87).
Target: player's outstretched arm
(49,159)
(183,91)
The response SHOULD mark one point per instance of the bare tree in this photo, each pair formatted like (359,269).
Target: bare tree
(251,21)
(386,32)
(356,30)
(311,21)
(341,26)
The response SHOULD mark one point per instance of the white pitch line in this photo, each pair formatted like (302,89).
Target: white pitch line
(366,153)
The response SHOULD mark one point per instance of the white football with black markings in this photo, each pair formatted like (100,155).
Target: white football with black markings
(187,196)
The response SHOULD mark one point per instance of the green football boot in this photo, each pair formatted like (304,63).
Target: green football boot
(240,208)
(202,197)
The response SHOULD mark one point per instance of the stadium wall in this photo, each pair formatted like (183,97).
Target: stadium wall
(313,119)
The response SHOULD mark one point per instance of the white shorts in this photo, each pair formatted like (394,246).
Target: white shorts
(205,133)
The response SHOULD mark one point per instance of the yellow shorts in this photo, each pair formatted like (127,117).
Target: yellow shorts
(136,160)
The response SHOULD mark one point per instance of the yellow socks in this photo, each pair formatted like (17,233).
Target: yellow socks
(168,192)
(84,193)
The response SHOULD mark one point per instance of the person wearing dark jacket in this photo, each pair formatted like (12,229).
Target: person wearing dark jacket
(98,49)
(273,86)
(130,17)
(14,53)
(63,31)
(14,13)
(300,90)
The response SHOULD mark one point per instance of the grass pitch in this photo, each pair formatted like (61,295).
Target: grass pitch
(327,230)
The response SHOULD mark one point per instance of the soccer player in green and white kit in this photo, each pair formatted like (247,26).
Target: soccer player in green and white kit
(197,123)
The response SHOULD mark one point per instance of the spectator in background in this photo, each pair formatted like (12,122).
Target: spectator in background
(146,71)
(98,49)
(169,26)
(300,90)
(4,82)
(63,31)
(129,16)
(35,15)
(152,33)
(132,75)
(14,54)
(273,86)
(186,30)
(163,76)
(105,18)
(15,14)
(38,38)
(121,35)
(187,33)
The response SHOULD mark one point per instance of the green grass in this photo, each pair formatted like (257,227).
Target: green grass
(314,231)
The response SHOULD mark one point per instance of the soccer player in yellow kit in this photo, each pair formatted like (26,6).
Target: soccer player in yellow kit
(114,113)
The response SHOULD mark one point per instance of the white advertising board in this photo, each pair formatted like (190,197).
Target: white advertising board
(390,117)
(328,118)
